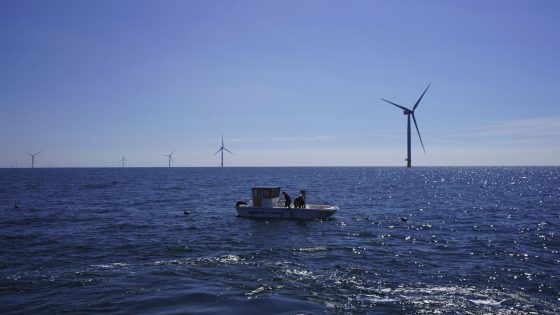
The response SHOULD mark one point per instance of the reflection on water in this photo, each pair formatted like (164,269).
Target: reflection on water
(427,240)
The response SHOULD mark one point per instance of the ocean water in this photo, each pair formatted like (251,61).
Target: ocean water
(167,241)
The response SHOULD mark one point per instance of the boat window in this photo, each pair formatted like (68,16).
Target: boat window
(257,196)
(270,193)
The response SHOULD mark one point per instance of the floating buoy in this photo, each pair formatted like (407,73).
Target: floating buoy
(187,212)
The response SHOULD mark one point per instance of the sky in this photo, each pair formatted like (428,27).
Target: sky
(286,82)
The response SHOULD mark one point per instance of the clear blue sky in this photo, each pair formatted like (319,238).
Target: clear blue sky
(286,82)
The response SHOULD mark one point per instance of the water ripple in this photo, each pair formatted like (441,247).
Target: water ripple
(420,241)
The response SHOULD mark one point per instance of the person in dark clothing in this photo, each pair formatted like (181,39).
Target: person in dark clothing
(299,202)
(302,197)
(288,200)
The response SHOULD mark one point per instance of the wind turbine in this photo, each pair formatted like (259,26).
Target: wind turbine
(222,149)
(123,160)
(170,156)
(33,158)
(408,113)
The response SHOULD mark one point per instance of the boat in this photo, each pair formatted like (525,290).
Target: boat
(266,203)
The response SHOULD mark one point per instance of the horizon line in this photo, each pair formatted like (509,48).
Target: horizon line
(291,166)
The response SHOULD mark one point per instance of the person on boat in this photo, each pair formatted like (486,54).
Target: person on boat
(299,202)
(302,196)
(288,200)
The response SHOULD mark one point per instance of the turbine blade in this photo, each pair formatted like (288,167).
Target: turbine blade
(218,151)
(228,151)
(418,101)
(399,106)
(418,130)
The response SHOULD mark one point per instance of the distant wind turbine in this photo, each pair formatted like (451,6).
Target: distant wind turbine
(409,113)
(33,158)
(123,160)
(222,149)
(170,157)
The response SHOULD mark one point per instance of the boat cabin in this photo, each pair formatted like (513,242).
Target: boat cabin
(265,197)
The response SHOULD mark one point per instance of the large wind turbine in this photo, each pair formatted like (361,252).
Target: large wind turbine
(170,157)
(33,158)
(409,113)
(123,160)
(222,149)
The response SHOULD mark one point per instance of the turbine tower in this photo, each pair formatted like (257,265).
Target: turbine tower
(222,149)
(170,157)
(408,113)
(123,160)
(33,158)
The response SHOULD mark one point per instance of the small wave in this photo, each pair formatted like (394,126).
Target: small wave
(298,272)
(313,249)
(489,302)
(377,299)
(446,299)
(262,289)
(110,266)
(203,261)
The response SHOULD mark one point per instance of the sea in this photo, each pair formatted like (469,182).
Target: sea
(426,240)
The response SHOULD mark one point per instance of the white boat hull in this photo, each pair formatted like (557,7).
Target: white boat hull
(310,212)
